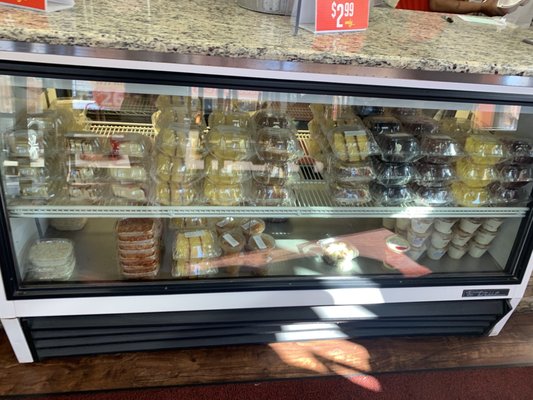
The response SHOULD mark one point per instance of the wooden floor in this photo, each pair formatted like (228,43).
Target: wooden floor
(514,346)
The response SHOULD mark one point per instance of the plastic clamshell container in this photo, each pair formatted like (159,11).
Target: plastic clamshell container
(176,194)
(270,195)
(129,254)
(239,119)
(382,124)
(475,175)
(519,149)
(277,145)
(391,195)
(515,172)
(505,194)
(193,269)
(133,192)
(135,173)
(132,145)
(457,127)
(85,144)
(402,112)
(85,175)
(485,149)
(177,169)
(146,261)
(350,172)
(227,172)
(272,119)
(172,115)
(26,144)
(338,253)
(137,229)
(440,148)
(225,195)
(395,174)
(149,244)
(181,140)
(227,224)
(419,125)
(350,195)
(434,196)
(164,101)
(275,174)
(468,196)
(49,253)
(188,223)
(352,143)
(86,193)
(252,226)
(367,111)
(429,174)
(398,147)
(35,191)
(229,142)
(199,244)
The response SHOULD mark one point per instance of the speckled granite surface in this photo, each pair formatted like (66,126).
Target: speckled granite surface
(398,39)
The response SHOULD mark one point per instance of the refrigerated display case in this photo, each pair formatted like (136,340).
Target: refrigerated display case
(152,205)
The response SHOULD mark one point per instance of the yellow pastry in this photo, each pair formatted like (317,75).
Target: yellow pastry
(484,149)
(475,175)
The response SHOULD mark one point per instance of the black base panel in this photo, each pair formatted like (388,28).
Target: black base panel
(96,334)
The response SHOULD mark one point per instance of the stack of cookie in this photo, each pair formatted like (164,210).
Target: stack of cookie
(139,243)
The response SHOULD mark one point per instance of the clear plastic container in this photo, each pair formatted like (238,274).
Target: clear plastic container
(457,127)
(467,196)
(350,194)
(181,140)
(84,175)
(391,195)
(26,144)
(440,240)
(436,253)
(192,269)
(36,191)
(421,225)
(402,112)
(338,253)
(262,246)
(175,194)
(136,193)
(470,225)
(49,253)
(440,148)
(398,147)
(515,173)
(188,224)
(229,142)
(137,229)
(429,174)
(506,194)
(227,224)
(141,245)
(87,193)
(352,143)
(164,101)
(460,237)
(445,225)
(350,172)
(225,195)
(178,170)
(492,224)
(132,145)
(271,195)
(252,226)
(456,251)
(485,149)
(419,125)
(227,172)
(239,119)
(395,174)
(32,171)
(519,149)
(484,237)
(139,262)
(169,116)
(150,274)
(232,242)
(367,111)
(269,118)
(277,145)
(416,239)
(476,249)
(434,196)
(475,175)
(275,174)
(382,124)
(135,173)
(68,224)
(85,144)
(195,245)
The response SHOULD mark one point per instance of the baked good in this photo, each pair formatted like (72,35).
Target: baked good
(239,119)
(161,193)
(350,172)
(232,242)
(277,145)
(227,172)
(135,173)
(350,144)
(130,192)
(261,245)
(271,195)
(68,224)
(337,253)
(183,195)
(224,195)
(137,229)
(188,224)
(484,149)
(378,124)
(252,226)
(475,175)
(469,196)
(227,224)
(398,147)
(163,166)
(51,253)
(85,193)
(229,142)
(350,194)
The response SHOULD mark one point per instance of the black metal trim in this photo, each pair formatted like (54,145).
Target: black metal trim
(26,330)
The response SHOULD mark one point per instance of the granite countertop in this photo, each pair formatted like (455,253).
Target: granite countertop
(395,38)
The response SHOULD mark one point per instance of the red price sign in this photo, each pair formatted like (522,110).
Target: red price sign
(341,15)
(109,95)
(37,4)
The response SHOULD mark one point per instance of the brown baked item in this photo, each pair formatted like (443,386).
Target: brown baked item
(252,226)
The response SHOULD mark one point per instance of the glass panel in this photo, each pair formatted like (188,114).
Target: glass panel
(114,183)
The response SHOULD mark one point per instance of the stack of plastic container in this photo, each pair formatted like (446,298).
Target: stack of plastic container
(473,236)
(192,252)
(51,260)
(139,247)
(276,151)
(178,156)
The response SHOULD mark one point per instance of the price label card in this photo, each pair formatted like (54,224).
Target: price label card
(43,5)
(109,95)
(328,16)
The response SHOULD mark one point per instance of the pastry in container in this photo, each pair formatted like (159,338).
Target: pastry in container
(270,195)
(429,174)
(168,116)
(277,145)
(434,196)
(181,140)
(252,226)
(135,173)
(350,172)
(229,142)
(352,143)
(261,245)
(188,223)
(519,149)
(227,224)
(395,174)
(227,172)
(398,147)
(485,149)
(338,254)
(402,112)
(85,144)
(440,148)
(475,175)
(138,229)
(391,195)
(317,146)
(132,145)
(382,124)
(147,245)
(238,119)
(268,118)
(90,194)
(367,111)
(232,243)
(468,196)
(192,251)
(36,191)
(275,174)
(86,175)
(34,172)
(515,172)
(130,193)
(50,253)
(419,125)
(225,195)
(176,169)
(457,127)
(175,194)
(350,194)
(506,194)
(68,224)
